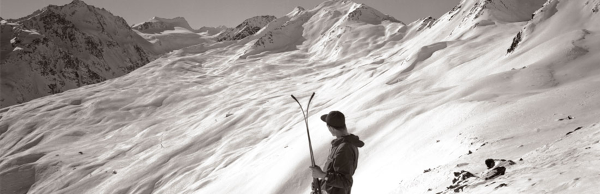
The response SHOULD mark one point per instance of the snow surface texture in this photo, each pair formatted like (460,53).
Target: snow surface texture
(64,47)
(429,99)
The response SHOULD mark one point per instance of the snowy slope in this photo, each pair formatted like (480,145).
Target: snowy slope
(211,30)
(172,34)
(63,47)
(430,98)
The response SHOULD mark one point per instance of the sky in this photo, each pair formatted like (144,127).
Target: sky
(226,12)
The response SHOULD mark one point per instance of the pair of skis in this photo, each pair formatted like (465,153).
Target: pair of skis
(316,189)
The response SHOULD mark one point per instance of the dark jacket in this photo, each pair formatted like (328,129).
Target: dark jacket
(341,164)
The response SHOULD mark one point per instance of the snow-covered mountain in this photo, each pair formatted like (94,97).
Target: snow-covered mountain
(248,27)
(64,47)
(364,13)
(286,33)
(431,99)
(172,34)
(157,25)
(212,30)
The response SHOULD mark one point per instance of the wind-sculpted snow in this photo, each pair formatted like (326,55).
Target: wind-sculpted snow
(64,47)
(427,101)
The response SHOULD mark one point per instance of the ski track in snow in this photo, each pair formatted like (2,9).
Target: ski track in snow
(217,117)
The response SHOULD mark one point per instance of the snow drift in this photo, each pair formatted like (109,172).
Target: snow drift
(431,98)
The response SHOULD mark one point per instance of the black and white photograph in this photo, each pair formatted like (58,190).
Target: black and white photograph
(299,96)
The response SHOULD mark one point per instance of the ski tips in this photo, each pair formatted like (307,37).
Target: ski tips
(311,96)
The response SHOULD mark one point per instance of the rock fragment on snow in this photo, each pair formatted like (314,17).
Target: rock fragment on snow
(578,128)
(501,185)
(567,118)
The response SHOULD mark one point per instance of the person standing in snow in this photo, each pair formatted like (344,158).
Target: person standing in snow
(343,156)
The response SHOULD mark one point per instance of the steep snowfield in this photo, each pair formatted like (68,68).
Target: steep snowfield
(430,98)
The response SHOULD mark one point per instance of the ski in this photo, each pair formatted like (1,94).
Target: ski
(316,189)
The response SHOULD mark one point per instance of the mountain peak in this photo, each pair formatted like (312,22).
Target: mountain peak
(78,2)
(296,11)
(365,13)
(68,46)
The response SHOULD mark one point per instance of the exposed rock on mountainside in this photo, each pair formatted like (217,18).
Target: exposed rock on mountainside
(423,23)
(246,28)
(64,47)
(157,24)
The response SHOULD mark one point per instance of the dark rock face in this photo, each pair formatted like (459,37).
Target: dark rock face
(246,28)
(65,47)
(515,43)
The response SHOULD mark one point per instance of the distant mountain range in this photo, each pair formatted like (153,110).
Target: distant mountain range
(58,48)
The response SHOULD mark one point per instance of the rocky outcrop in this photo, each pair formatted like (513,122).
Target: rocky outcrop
(246,28)
(64,47)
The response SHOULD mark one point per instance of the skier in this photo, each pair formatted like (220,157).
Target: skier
(343,156)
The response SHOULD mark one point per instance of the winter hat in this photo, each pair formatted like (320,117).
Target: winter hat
(335,119)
